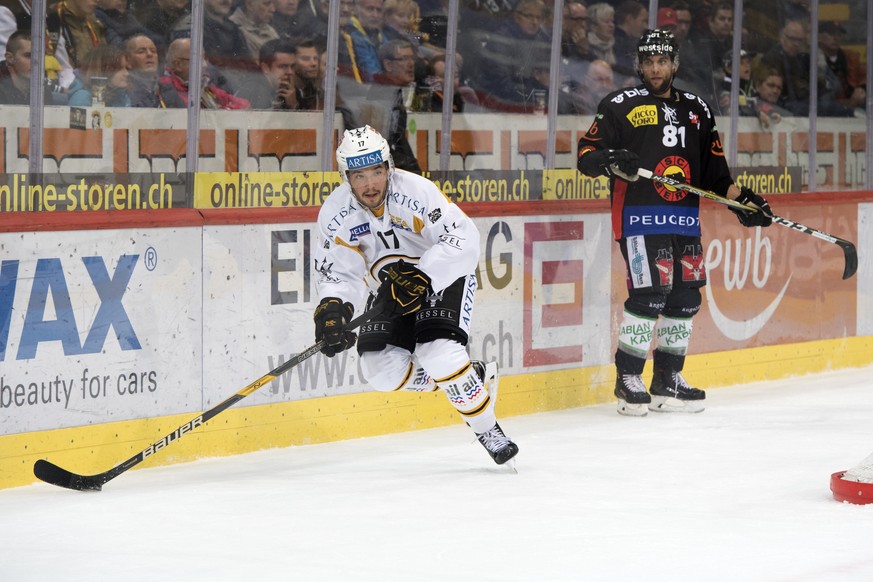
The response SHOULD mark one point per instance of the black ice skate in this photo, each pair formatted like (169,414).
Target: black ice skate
(671,393)
(631,393)
(498,444)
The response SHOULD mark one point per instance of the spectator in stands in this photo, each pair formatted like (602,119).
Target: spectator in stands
(510,57)
(120,24)
(691,76)
(701,12)
(436,74)
(385,104)
(601,36)
(367,32)
(790,58)
(746,108)
(74,31)
(253,19)
(309,83)
(173,84)
(274,88)
(224,44)
(761,25)
(574,33)
(397,61)
(160,16)
(15,70)
(14,15)
(709,47)
(575,50)
(143,61)
(681,29)
(318,31)
(631,21)
(767,88)
(291,20)
(347,65)
(103,77)
(584,97)
(401,21)
(844,70)
(308,10)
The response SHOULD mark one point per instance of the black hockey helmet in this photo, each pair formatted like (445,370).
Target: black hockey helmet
(657,42)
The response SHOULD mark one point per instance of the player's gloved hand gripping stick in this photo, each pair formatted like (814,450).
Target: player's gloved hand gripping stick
(403,289)
(849,251)
(55,475)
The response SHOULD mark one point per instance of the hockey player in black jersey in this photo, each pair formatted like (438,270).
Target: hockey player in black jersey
(672,132)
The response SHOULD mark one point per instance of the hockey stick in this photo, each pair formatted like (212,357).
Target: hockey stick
(849,251)
(55,475)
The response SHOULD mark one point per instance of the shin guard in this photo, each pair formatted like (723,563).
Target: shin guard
(448,363)
(634,339)
(672,336)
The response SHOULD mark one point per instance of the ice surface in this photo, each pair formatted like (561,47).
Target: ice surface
(738,492)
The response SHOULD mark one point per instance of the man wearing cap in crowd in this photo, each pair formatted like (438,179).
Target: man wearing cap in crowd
(677,19)
(843,64)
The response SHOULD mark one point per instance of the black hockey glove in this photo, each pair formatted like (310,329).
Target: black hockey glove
(403,289)
(758,218)
(616,163)
(330,317)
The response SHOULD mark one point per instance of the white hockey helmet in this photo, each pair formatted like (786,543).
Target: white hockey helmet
(361,148)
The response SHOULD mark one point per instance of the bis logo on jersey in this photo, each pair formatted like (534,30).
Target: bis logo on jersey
(677,168)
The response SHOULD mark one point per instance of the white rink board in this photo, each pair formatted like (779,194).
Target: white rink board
(246,335)
(98,326)
(259,297)
(529,267)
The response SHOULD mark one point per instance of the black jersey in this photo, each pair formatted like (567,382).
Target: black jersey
(674,137)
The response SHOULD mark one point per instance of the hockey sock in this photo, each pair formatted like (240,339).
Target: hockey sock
(447,361)
(672,336)
(634,338)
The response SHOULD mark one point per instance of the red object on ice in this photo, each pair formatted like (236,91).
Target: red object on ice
(851,491)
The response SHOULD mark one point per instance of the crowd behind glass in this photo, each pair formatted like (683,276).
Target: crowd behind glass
(271,55)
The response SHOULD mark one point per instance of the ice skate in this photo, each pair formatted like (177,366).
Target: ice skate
(671,393)
(489,375)
(632,396)
(498,444)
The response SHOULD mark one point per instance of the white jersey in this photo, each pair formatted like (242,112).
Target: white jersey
(419,225)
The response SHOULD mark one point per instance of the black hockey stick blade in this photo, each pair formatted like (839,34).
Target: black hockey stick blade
(849,251)
(54,475)
(851,255)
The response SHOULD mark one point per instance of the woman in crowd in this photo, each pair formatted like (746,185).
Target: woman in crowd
(102,79)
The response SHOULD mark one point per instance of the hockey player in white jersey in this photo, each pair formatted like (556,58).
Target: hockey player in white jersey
(391,239)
